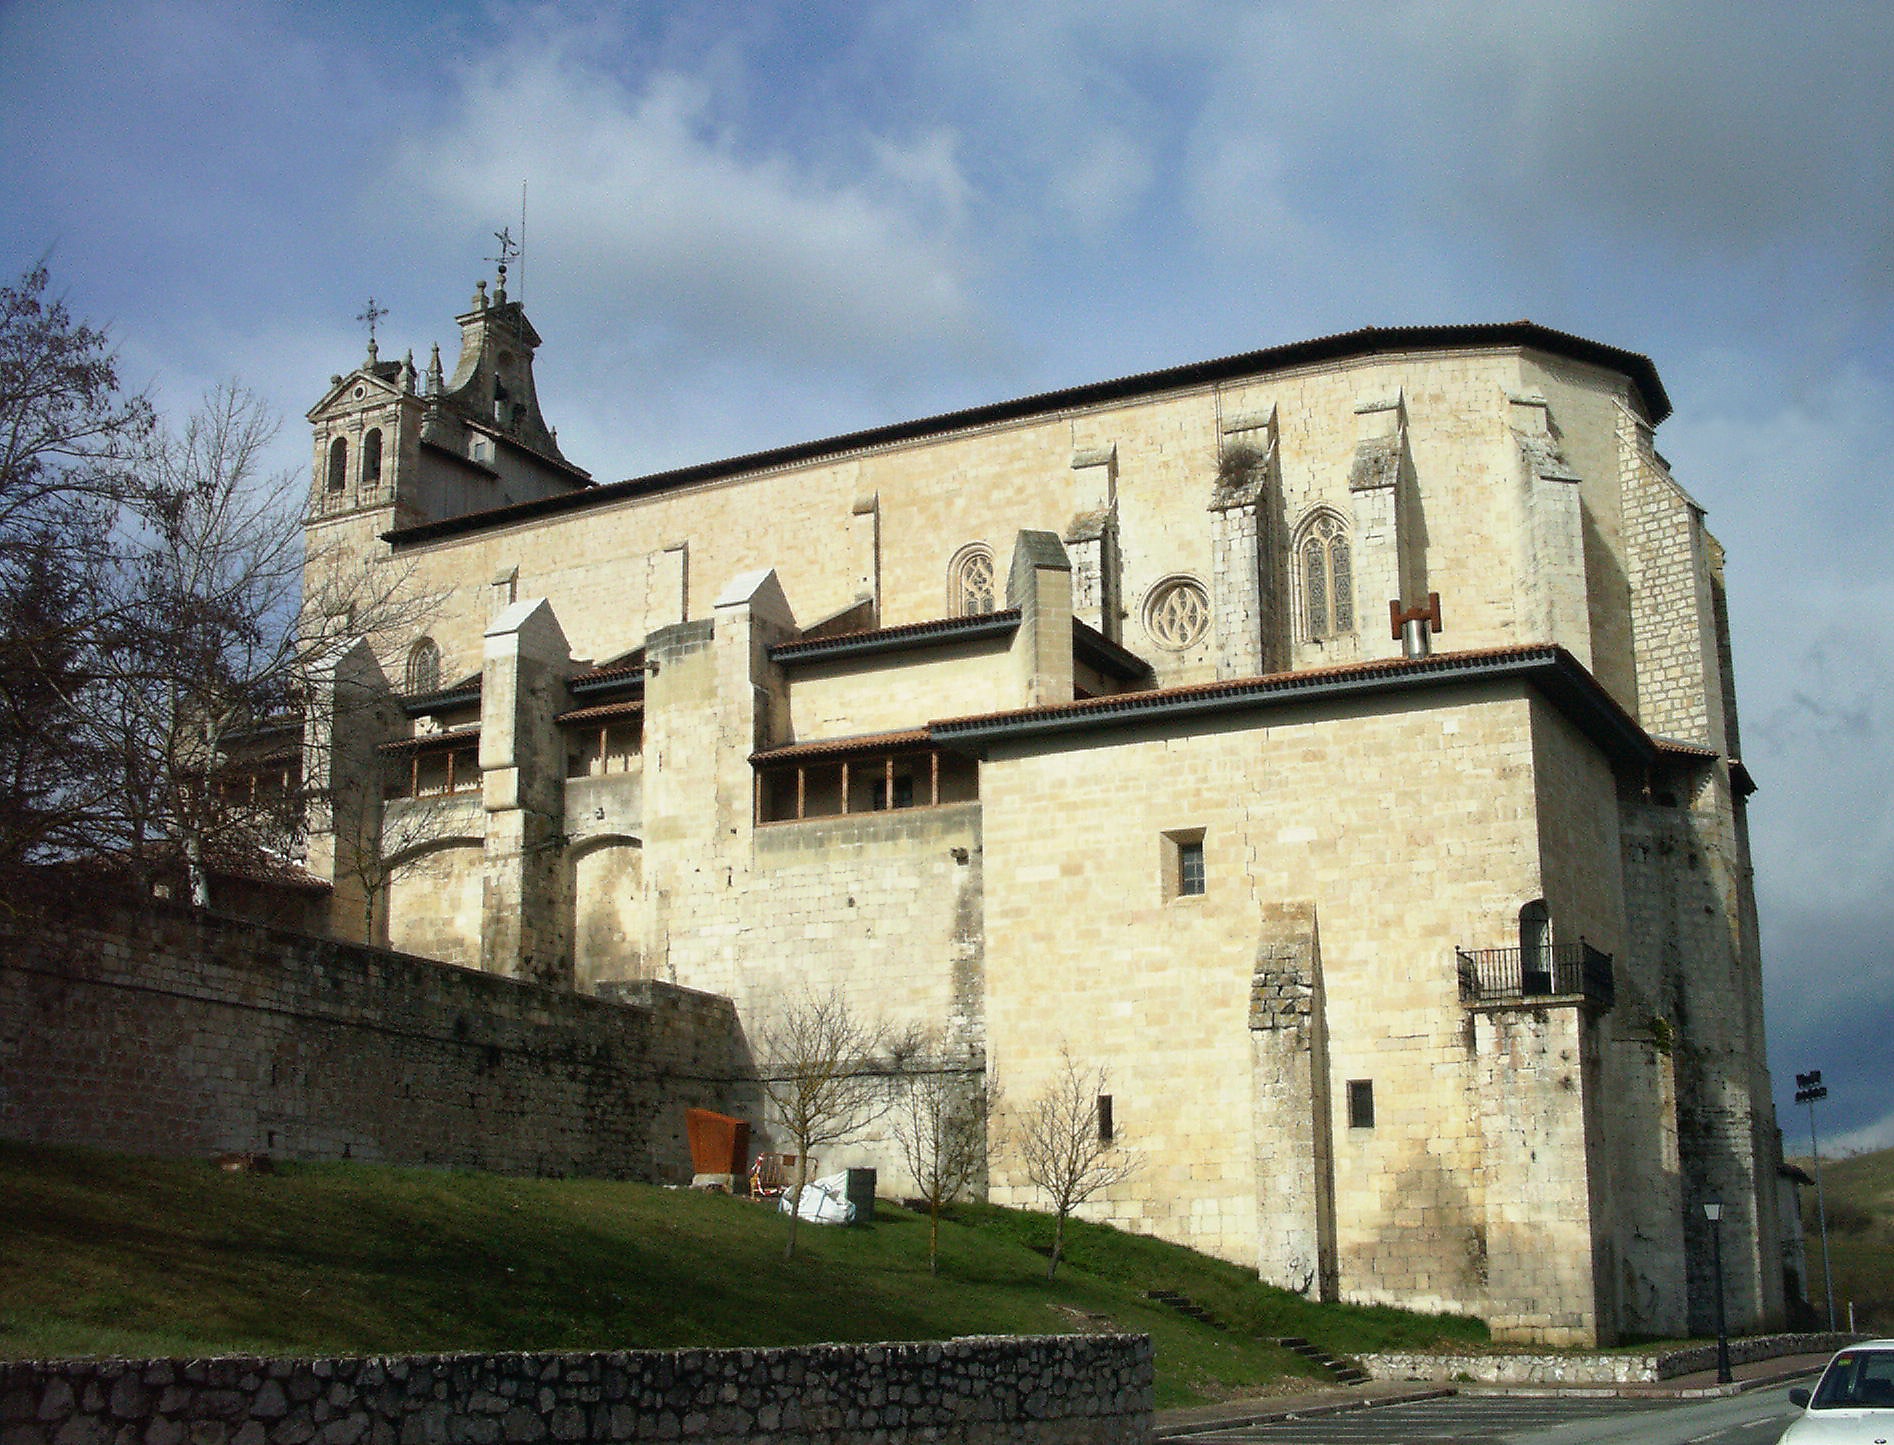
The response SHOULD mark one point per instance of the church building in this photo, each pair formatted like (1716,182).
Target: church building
(1335,743)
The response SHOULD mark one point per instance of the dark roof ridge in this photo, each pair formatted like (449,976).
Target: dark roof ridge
(1366,341)
(1560,676)
(1287,681)
(876,639)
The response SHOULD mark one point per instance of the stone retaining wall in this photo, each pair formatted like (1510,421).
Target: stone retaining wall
(1044,1390)
(156,1030)
(1594,1369)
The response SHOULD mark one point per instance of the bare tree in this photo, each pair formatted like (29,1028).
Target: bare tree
(227,629)
(68,441)
(160,627)
(827,1075)
(941,1125)
(1068,1146)
(377,847)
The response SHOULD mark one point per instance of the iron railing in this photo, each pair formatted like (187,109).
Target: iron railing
(1551,970)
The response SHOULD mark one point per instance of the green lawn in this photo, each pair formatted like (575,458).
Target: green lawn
(101,1254)
(1860,1195)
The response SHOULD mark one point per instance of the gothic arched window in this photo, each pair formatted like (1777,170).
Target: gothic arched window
(371,457)
(424,667)
(338,464)
(1327,577)
(970,582)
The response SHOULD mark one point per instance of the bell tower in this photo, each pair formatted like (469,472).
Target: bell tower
(367,439)
(394,449)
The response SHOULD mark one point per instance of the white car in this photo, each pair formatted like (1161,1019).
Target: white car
(1853,1402)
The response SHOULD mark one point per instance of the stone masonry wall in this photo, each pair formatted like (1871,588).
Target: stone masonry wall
(164,1032)
(1575,1368)
(1047,1390)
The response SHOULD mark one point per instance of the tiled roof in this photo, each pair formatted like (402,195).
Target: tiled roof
(424,741)
(1341,346)
(1685,750)
(910,738)
(457,694)
(629,667)
(631,707)
(1556,673)
(939,630)
(1304,679)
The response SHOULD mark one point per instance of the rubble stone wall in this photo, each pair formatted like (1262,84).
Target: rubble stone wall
(1045,1390)
(1576,1368)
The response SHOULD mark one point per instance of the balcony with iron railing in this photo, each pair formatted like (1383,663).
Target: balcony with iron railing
(1545,973)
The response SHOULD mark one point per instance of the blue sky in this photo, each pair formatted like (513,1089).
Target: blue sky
(757,223)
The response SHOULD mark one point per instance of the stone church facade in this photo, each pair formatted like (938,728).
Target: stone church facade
(1335,742)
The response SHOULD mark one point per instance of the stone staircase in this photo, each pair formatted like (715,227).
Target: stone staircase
(1344,1371)
(1185,1306)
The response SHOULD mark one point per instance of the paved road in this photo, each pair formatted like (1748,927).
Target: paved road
(1753,1419)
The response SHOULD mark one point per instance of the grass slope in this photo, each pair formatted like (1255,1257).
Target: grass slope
(1860,1195)
(101,1254)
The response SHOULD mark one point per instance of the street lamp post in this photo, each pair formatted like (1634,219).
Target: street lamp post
(1713,1212)
(1808,1089)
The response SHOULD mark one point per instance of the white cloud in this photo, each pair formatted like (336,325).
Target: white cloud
(1878,1135)
(654,212)
(1633,171)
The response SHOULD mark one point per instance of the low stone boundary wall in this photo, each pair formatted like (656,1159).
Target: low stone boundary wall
(1595,1369)
(1039,1390)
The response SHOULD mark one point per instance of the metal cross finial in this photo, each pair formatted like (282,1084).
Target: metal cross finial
(509,248)
(371,315)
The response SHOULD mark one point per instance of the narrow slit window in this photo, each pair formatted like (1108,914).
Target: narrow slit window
(1361,1103)
(1106,1132)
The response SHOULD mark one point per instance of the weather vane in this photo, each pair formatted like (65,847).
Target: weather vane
(371,315)
(509,248)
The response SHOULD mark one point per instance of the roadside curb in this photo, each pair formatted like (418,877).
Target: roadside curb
(1647,1391)
(1200,1419)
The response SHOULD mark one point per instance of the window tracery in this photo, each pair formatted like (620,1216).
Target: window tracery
(971,589)
(424,667)
(1177,613)
(1327,576)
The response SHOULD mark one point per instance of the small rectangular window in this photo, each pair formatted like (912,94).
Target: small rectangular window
(1361,1103)
(1182,859)
(1104,1119)
(1190,878)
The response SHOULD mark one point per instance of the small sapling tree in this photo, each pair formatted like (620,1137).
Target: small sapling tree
(826,1073)
(1067,1145)
(941,1125)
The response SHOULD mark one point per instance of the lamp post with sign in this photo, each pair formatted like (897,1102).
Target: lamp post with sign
(1713,1212)
(1808,1089)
